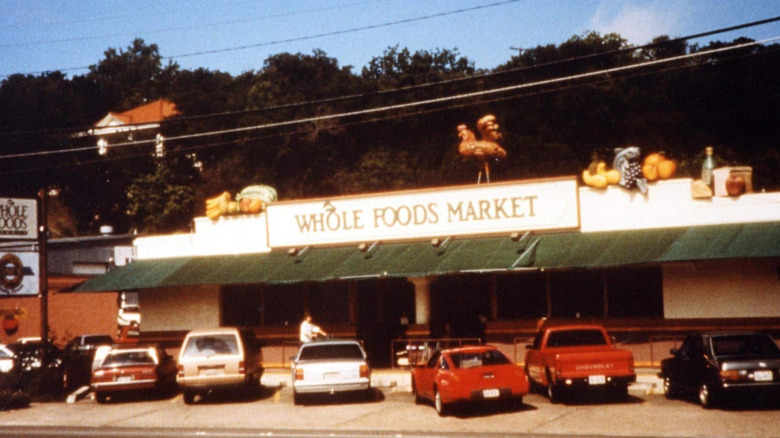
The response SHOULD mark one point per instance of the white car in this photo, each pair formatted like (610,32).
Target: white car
(6,359)
(329,367)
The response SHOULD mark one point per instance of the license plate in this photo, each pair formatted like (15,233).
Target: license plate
(762,376)
(332,376)
(597,380)
(124,379)
(490,393)
(212,372)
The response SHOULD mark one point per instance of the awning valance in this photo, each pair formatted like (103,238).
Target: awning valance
(572,250)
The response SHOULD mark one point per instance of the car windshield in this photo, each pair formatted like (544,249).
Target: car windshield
(211,345)
(478,359)
(331,351)
(127,358)
(572,338)
(744,345)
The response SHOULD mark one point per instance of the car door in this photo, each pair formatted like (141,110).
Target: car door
(426,375)
(690,363)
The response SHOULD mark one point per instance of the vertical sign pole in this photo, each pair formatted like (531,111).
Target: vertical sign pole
(43,270)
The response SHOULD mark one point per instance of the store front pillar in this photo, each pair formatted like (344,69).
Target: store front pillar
(422,299)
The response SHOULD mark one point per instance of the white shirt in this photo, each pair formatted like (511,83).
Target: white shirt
(308,330)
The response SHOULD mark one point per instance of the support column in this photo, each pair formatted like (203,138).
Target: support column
(422,299)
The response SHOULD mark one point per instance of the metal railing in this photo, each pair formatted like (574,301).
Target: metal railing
(406,353)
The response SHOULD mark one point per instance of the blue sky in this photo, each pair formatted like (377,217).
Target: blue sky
(40,35)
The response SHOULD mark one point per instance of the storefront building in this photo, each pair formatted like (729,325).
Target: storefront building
(484,261)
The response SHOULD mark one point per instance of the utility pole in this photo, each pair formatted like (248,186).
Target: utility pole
(43,270)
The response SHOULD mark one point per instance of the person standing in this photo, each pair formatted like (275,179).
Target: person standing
(309,331)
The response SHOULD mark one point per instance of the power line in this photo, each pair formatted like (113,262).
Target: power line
(180,28)
(375,119)
(457,97)
(628,49)
(304,38)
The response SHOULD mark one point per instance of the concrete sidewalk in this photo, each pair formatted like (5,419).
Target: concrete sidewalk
(647,380)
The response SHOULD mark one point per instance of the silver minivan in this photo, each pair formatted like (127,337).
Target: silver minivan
(216,359)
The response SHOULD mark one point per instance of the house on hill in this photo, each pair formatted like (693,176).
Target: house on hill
(140,123)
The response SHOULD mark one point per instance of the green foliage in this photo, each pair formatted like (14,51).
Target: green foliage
(131,77)
(725,100)
(160,202)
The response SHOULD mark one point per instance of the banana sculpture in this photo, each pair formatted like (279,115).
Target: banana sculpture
(602,177)
(251,200)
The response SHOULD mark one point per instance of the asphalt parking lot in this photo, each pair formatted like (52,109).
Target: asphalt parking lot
(393,410)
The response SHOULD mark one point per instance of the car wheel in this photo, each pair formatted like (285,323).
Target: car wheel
(417,399)
(441,408)
(101,398)
(553,392)
(533,387)
(706,397)
(189,397)
(620,392)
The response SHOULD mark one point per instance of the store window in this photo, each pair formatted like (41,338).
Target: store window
(577,294)
(521,296)
(284,304)
(329,302)
(242,306)
(635,292)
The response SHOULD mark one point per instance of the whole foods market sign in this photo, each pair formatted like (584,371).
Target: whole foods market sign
(458,211)
(18,219)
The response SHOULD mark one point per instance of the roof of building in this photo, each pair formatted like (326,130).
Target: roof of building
(152,112)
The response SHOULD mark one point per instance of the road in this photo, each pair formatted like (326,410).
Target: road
(390,414)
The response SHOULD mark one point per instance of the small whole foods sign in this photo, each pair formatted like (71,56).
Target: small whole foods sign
(457,211)
(18,219)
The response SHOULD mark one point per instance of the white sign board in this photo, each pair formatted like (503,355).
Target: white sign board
(18,219)
(458,211)
(18,273)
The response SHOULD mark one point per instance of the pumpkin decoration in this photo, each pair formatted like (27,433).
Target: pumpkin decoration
(657,167)
(10,324)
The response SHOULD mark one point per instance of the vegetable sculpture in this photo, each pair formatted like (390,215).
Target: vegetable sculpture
(600,177)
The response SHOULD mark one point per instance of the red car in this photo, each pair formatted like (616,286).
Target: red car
(127,369)
(464,374)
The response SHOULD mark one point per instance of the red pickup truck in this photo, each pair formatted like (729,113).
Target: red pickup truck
(571,357)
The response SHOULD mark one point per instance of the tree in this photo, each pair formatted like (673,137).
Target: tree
(129,78)
(161,201)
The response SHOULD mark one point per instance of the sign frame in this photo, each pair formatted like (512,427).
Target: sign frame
(470,210)
(18,219)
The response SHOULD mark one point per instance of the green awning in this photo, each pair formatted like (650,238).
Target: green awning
(572,250)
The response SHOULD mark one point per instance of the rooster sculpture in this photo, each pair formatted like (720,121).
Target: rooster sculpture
(484,150)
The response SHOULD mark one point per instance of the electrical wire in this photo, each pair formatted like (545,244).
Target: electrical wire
(478,77)
(462,96)
(305,38)
(376,119)
(180,28)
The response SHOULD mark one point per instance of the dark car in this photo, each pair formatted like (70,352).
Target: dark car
(79,359)
(723,367)
(128,369)
(29,356)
